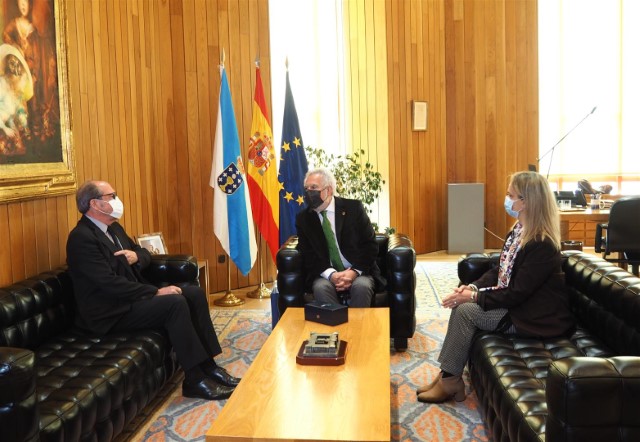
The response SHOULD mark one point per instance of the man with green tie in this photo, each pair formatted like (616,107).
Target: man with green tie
(337,243)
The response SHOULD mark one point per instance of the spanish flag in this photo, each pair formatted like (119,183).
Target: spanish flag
(262,174)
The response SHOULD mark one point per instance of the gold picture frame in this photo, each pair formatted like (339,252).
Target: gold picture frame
(153,242)
(36,154)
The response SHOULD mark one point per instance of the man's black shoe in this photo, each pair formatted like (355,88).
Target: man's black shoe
(207,389)
(221,376)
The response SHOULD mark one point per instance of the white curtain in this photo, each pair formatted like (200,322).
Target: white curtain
(588,57)
(309,34)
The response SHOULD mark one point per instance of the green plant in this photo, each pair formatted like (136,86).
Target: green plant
(355,177)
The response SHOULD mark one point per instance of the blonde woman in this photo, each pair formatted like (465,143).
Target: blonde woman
(524,295)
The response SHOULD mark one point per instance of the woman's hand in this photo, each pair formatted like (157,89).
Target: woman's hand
(459,296)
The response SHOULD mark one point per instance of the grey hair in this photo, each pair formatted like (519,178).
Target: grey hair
(86,192)
(327,177)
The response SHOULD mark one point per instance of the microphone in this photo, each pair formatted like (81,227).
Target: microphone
(550,151)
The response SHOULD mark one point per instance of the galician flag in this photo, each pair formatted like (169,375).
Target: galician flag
(232,219)
(262,175)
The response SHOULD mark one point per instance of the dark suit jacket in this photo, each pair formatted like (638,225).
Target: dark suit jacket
(536,297)
(355,237)
(104,285)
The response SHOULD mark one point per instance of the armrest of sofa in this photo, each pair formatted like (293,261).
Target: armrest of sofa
(180,270)
(401,288)
(590,398)
(18,412)
(474,265)
(290,275)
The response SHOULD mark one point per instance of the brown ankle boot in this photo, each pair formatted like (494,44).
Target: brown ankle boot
(430,385)
(445,388)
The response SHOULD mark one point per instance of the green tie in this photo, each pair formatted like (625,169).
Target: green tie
(334,253)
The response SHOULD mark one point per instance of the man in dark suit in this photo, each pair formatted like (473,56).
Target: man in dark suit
(112,295)
(337,243)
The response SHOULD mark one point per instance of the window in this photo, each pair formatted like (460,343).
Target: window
(588,52)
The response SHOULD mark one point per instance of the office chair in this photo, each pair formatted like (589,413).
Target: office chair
(621,233)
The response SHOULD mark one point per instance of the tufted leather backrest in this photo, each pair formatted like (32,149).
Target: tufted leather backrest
(607,298)
(33,310)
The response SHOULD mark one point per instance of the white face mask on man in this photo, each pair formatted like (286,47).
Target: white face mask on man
(117,207)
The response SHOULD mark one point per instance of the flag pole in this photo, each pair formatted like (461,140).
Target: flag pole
(262,292)
(229,299)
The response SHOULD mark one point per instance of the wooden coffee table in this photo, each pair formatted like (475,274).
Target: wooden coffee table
(279,400)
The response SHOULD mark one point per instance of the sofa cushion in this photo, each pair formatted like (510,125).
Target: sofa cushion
(88,384)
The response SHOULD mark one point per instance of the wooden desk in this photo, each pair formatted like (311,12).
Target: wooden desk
(279,400)
(581,226)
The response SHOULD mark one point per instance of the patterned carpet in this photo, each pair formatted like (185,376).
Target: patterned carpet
(242,333)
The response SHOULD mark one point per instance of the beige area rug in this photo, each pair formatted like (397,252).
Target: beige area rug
(243,332)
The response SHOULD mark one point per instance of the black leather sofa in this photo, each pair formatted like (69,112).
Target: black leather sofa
(581,388)
(397,261)
(59,383)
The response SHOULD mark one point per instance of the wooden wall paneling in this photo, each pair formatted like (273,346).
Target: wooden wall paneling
(392,66)
(6,269)
(419,140)
(205,71)
(139,148)
(437,116)
(156,142)
(531,62)
(404,107)
(180,151)
(193,122)
(29,238)
(168,191)
(146,197)
(41,243)
(16,242)
(381,120)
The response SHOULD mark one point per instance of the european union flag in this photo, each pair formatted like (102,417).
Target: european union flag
(293,168)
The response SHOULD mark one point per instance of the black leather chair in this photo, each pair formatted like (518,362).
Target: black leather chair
(397,261)
(621,233)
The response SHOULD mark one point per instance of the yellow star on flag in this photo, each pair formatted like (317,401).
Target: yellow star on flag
(296,141)
(286,147)
(300,200)
(288,196)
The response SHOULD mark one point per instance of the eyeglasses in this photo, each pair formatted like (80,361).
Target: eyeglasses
(113,195)
(314,187)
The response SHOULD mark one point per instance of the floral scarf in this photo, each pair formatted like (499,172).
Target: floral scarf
(508,256)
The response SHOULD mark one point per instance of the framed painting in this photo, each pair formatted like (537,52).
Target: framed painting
(36,155)
(153,242)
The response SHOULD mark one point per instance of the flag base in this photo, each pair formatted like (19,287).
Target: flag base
(262,292)
(229,300)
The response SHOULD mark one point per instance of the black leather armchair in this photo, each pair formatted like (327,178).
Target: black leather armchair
(60,383)
(622,233)
(397,261)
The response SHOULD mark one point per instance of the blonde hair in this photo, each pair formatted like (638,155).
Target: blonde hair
(542,216)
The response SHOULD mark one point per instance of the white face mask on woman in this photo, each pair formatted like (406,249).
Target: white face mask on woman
(508,206)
